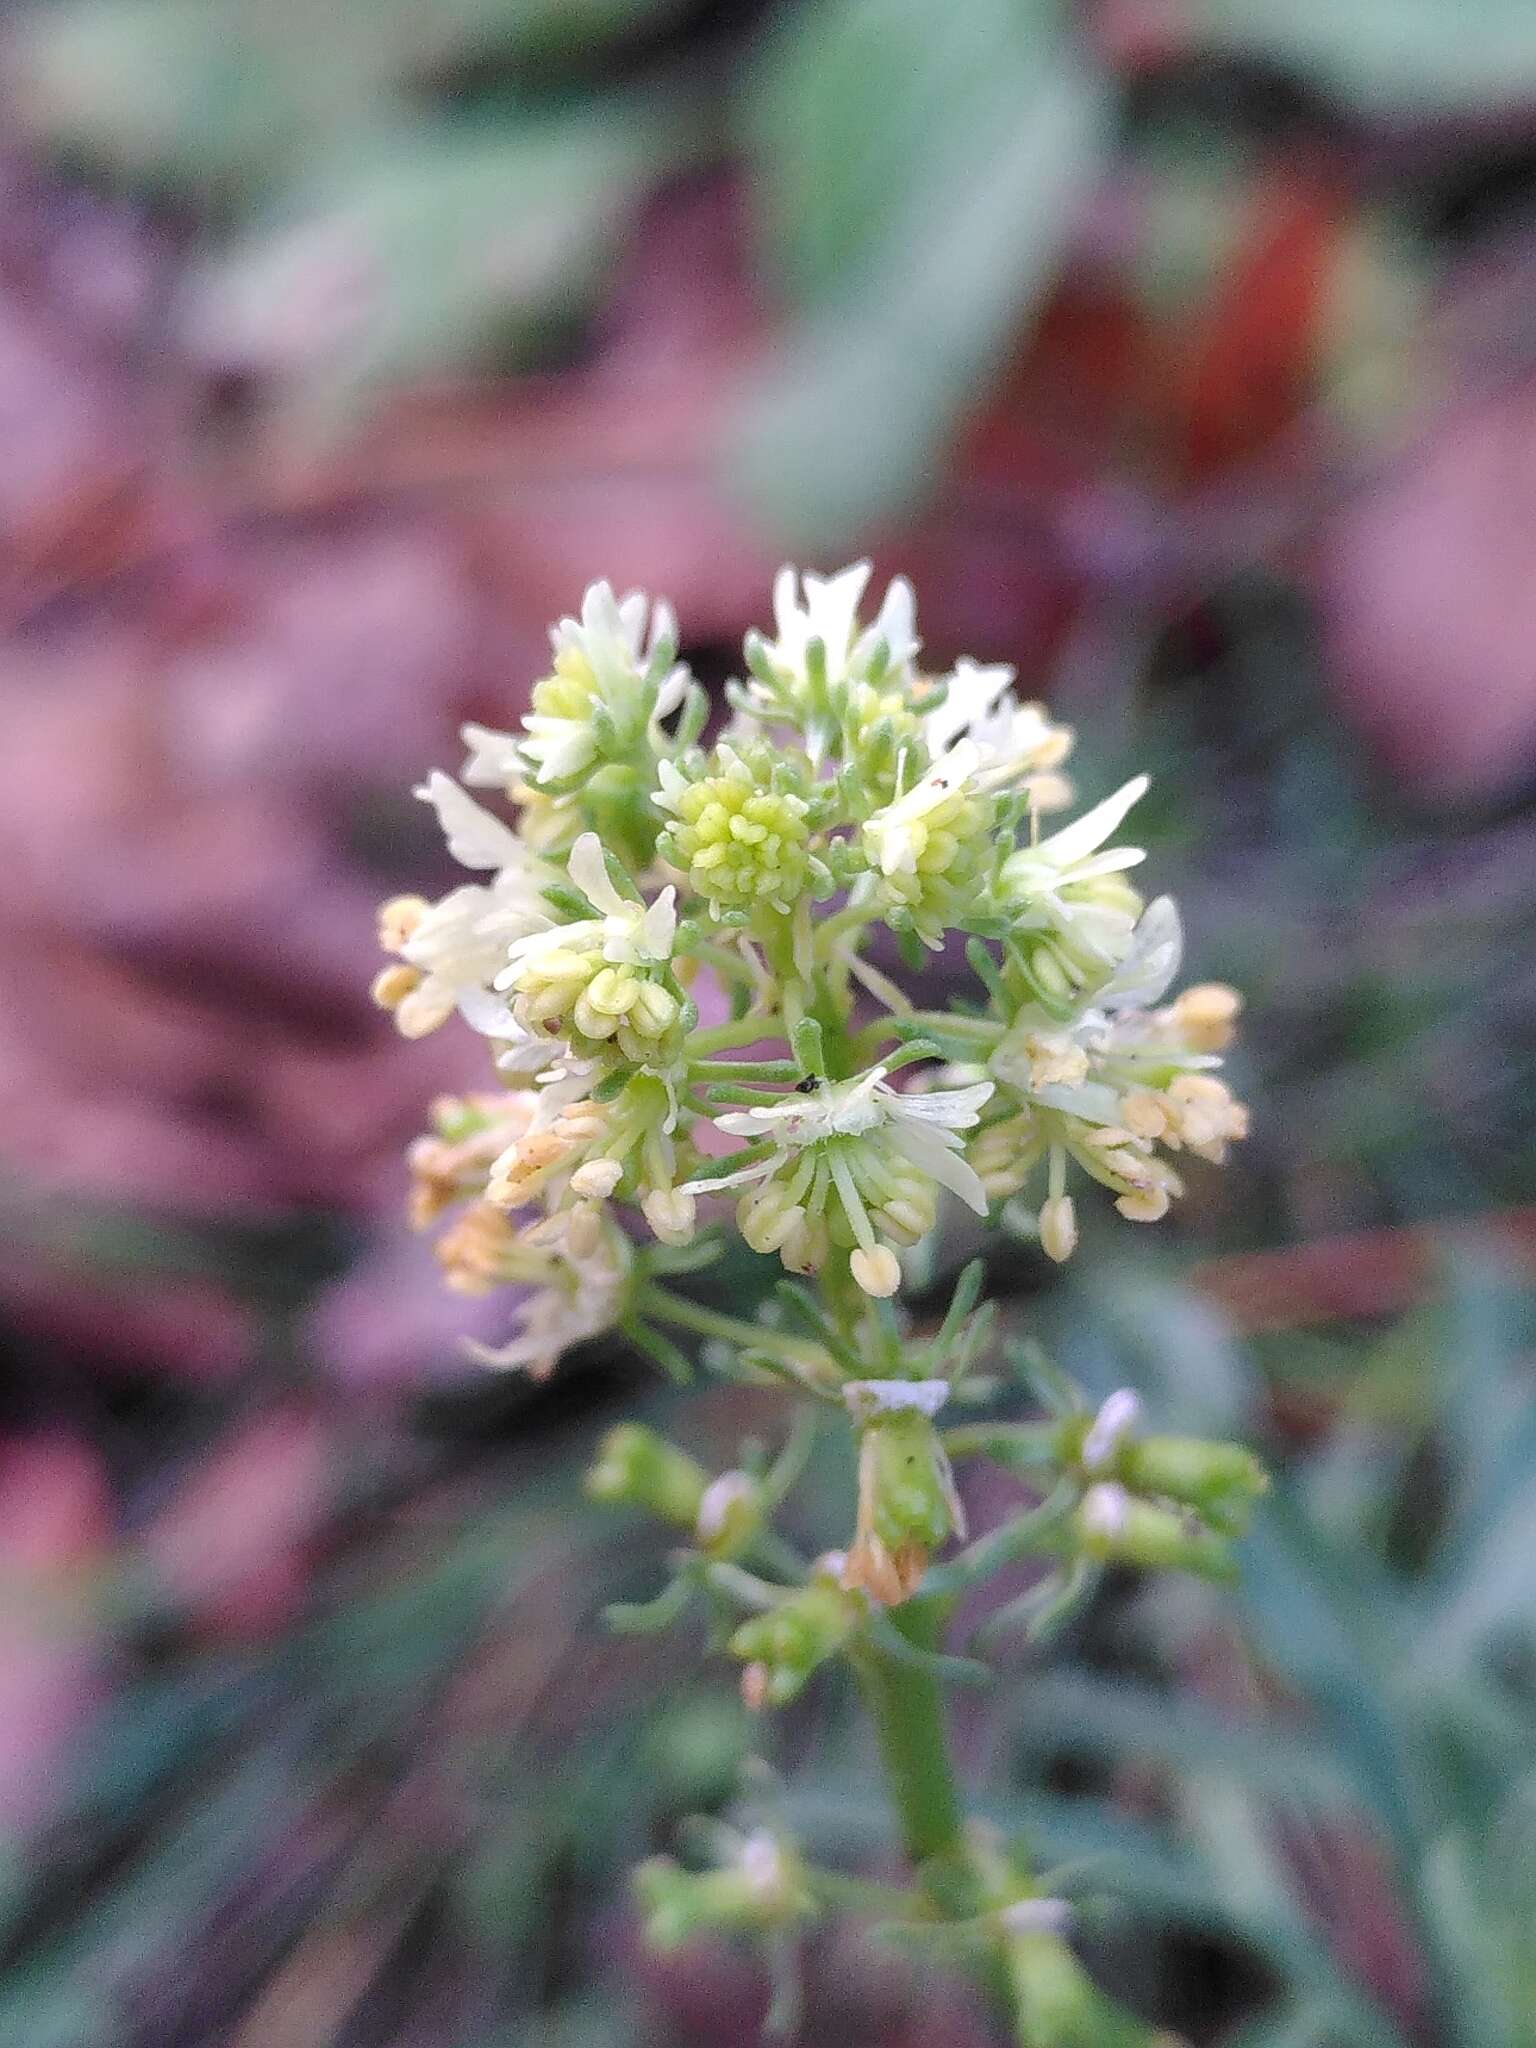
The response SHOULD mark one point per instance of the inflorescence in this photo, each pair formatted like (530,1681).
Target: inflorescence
(699,962)
(688,962)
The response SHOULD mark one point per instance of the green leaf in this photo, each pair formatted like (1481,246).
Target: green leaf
(919,188)
(1392,57)
(1075,1714)
(1327,1621)
(1465,1941)
(421,249)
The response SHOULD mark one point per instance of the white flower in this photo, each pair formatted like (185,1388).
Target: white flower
(627,934)
(454,948)
(459,947)
(1012,740)
(495,759)
(1079,1068)
(1073,854)
(604,658)
(898,835)
(1038,878)
(475,837)
(921,1127)
(1147,970)
(1116,1420)
(578,1295)
(829,612)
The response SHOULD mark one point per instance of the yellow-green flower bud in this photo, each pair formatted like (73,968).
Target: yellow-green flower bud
(762,1890)
(1221,1481)
(637,1468)
(908,1505)
(1115,1526)
(737,832)
(784,1646)
(729,1516)
(1058,2003)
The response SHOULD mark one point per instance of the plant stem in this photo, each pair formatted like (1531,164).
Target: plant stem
(908,1711)
(907,1707)
(747,1030)
(666,1307)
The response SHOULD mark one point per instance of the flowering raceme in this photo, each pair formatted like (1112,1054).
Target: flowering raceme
(851,797)
(848,791)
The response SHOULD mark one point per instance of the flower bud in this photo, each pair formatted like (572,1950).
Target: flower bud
(877,1271)
(637,1468)
(1207,1015)
(761,1890)
(654,1010)
(908,1505)
(730,1514)
(1120,1529)
(672,1214)
(1058,2004)
(1058,1228)
(596,1180)
(1221,1481)
(784,1646)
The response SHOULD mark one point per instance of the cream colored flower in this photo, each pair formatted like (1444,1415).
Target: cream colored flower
(576,1284)
(451,951)
(596,979)
(612,662)
(826,609)
(1016,744)
(855,1163)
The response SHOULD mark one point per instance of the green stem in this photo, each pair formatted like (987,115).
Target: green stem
(743,1031)
(908,1711)
(666,1307)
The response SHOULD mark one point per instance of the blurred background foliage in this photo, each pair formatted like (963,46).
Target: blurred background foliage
(1181,350)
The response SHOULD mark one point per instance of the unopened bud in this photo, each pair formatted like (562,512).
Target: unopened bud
(784,1646)
(637,1468)
(1119,1528)
(878,1271)
(1222,1481)
(1036,1916)
(596,1180)
(1115,1421)
(730,1513)
(654,1010)
(672,1214)
(1058,1228)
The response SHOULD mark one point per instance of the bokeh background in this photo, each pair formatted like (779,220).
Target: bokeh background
(1183,352)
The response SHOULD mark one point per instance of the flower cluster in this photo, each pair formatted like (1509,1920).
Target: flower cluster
(696,960)
(853,805)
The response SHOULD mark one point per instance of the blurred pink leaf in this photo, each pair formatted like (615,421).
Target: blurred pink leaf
(55,1528)
(1429,583)
(231,1545)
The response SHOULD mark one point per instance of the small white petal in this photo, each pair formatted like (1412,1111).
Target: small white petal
(589,871)
(956,1108)
(1086,834)
(475,838)
(760,1170)
(658,927)
(1147,971)
(927,1149)
(1115,1421)
(494,757)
